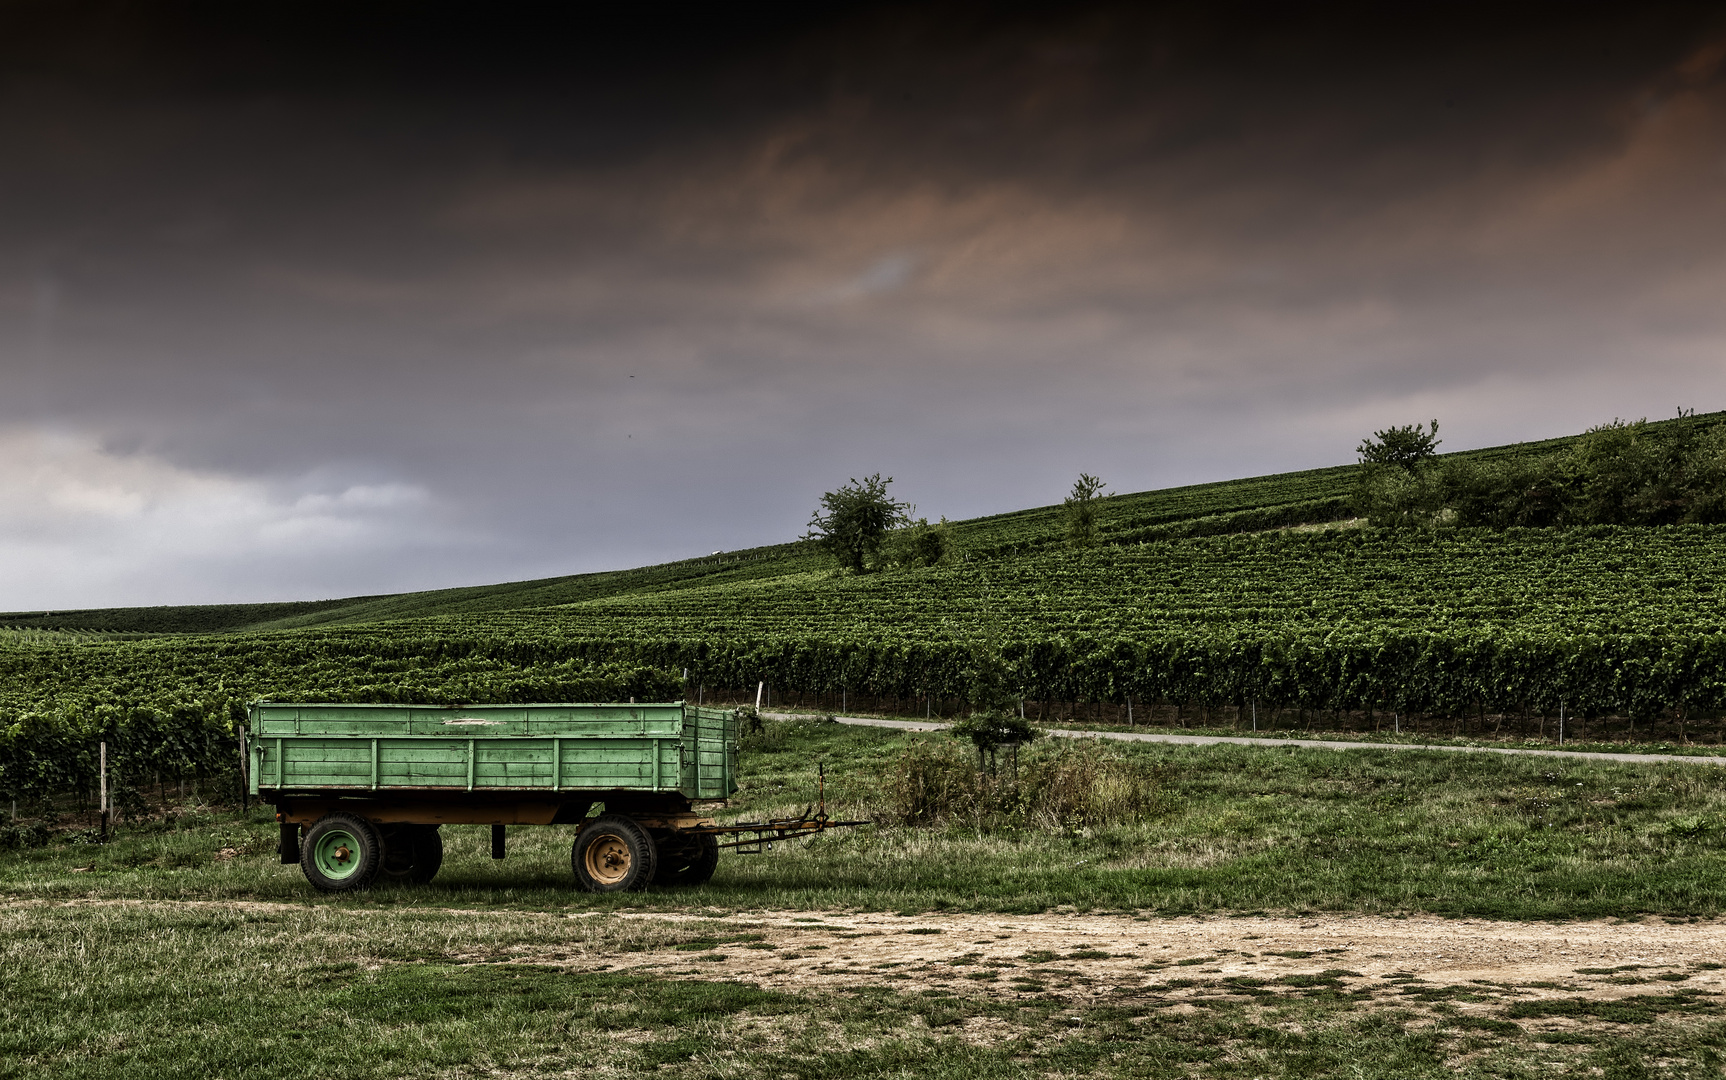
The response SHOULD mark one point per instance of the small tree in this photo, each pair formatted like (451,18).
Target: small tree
(749,720)
(854,521)
(993,727)
(1081,507)
(1397,484)
(1406,447)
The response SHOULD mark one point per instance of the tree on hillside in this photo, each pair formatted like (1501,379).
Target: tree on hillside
(1397,486)
(1405,447)
(853,522)
(1081,507)
(1621,473)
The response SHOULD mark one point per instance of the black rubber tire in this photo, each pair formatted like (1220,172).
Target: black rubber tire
(613,854)
(288,846)
(428,854)
(352,834)
(412,853)
(686,860)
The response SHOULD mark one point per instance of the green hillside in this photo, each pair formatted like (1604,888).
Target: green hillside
(1233,506)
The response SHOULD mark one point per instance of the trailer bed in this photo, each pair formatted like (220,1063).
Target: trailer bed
(555,750)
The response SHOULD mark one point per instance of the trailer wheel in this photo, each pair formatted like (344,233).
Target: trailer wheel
(412,853)
(341,853)
(613,854)
(428,854)
(686,860)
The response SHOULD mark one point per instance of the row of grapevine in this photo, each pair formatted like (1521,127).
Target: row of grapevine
(169,708)
(1604,621)
(45,755)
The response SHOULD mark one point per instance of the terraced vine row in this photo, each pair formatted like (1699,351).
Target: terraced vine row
(1605,621)
(169,707)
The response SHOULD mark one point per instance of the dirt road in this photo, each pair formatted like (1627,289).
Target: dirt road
(1310,744)
(1086,956)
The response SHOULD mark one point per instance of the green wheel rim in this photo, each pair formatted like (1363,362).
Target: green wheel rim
(337,854)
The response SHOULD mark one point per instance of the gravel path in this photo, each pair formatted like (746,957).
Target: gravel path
(1313,744)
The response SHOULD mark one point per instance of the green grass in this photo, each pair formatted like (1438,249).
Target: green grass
(1235,829)
(184,948)
(358,992)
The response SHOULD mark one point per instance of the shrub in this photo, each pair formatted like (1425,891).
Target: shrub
(992,732)
(23,836)
(920,544)
(1081,507)
(1059,787)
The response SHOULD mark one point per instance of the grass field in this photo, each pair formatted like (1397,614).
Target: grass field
(342,991)
(183,948)
(1229,829)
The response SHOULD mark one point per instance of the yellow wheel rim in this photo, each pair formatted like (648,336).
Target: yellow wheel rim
(607,860)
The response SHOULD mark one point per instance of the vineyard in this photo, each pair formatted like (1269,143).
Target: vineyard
(168,708)
(1196,600)
(1603,621)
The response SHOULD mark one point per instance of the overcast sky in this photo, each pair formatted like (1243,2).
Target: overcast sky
(344,300)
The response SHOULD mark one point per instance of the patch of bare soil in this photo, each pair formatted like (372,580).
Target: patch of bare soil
(1082,957)
(1466,965)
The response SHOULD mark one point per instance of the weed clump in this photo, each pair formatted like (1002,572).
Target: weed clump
(1058,787)
(13,837)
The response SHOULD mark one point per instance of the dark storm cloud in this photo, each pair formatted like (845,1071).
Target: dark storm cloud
(378,298)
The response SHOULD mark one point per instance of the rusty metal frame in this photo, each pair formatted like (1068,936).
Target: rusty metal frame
(755,837)
(766,833)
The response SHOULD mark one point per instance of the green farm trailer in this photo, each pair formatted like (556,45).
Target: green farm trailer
(360,790)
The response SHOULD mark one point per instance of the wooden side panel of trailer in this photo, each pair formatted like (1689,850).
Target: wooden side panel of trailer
(546,749)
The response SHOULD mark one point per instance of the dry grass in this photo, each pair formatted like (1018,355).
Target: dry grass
(1050,787)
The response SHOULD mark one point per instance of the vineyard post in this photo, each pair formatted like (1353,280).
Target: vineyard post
(1561,723)
(1255,714)
(245,781)
(1129,710)
(760,686)
(102,770)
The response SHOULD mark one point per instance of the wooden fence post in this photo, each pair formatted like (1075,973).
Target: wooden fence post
(103,770)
